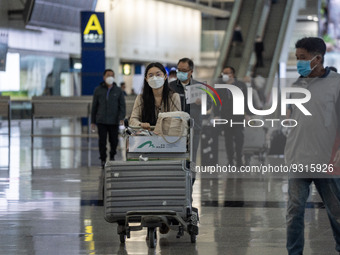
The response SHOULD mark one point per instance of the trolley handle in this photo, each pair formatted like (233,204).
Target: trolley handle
(126,124)
(132,129)
(139,127)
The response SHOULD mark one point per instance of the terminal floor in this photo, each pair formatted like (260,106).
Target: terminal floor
(54,208)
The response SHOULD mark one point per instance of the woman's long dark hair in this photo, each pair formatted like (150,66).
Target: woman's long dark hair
(148,104)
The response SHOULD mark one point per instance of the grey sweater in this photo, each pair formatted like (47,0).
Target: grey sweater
(312,140)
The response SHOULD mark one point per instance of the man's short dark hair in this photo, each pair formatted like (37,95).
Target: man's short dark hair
(231,68)
(313,45)
(108,70)
(187,60)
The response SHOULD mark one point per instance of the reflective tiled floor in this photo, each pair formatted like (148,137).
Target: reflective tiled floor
(54,207)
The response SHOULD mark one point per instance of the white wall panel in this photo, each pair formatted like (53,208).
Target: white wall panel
(10,80)
(149,30)
(47,40)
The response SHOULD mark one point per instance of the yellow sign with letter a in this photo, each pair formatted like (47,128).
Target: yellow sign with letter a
(93,32)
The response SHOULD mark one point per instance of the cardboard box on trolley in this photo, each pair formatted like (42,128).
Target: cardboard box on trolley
(157,144)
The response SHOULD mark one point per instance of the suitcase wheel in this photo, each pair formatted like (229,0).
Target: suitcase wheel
(152,237)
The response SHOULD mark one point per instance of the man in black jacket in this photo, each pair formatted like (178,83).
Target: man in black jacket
(234,134)
(108,109)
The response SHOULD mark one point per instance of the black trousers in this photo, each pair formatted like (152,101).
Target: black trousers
(195,142)
(259,59)
(234,139)
(103,131)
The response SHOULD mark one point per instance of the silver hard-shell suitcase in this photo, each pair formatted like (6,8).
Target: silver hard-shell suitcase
(151,193)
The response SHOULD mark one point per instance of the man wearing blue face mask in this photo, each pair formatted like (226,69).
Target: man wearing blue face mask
(309,144)
(185,67)
(108,109)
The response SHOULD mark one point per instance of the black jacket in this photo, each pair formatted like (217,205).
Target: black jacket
(108,108)
(193,109)
(226,110)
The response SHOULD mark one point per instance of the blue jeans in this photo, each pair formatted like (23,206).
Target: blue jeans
(298,191)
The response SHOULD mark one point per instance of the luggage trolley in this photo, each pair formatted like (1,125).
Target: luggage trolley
(151,189)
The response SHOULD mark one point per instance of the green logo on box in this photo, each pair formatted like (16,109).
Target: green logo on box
(146,143)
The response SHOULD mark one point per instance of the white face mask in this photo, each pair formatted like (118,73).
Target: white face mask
(110,80)
(225,77)
(156,82)
(172,79)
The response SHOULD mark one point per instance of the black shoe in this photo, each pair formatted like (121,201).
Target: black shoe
(112,158)
(103,164)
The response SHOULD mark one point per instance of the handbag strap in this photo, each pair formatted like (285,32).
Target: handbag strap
(182,131)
